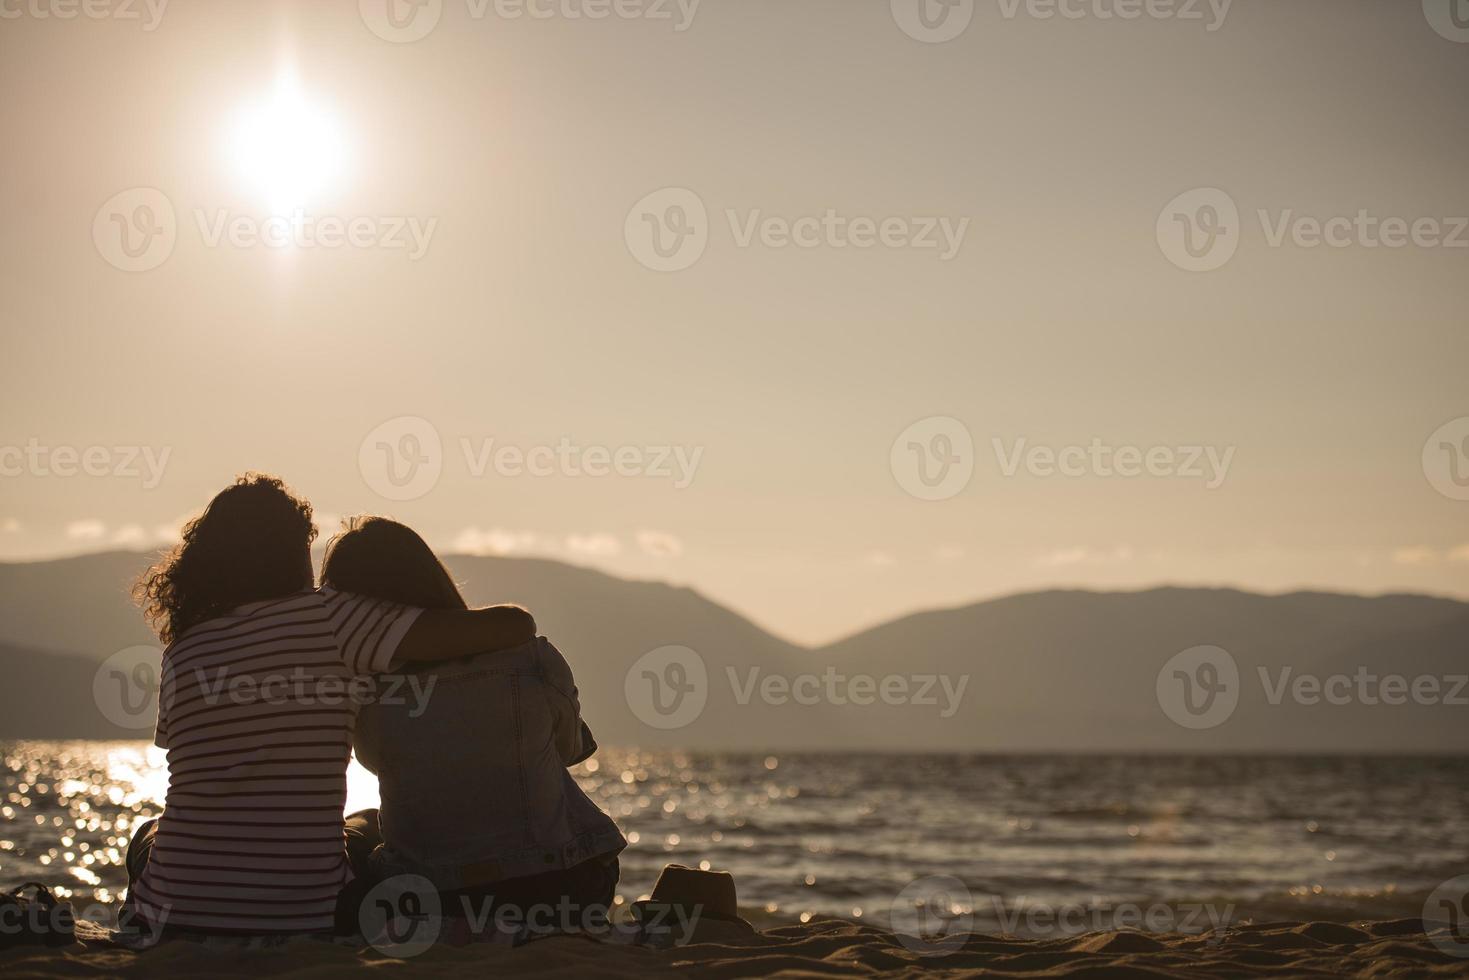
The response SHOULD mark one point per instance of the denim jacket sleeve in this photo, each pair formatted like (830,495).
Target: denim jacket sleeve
(561,698)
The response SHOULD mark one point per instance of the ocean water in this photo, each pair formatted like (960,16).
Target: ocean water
(849,835)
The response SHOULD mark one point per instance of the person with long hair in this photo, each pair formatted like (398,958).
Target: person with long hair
(256,713)
(476,796)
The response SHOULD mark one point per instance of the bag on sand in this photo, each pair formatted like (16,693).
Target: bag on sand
(43,920)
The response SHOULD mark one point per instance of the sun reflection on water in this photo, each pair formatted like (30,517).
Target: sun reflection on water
(811,835)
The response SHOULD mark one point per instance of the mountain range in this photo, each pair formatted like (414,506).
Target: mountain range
(1044,671)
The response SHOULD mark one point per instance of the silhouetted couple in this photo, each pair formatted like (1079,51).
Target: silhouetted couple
(259,700)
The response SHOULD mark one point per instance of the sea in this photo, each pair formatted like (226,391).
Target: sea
(1001,842)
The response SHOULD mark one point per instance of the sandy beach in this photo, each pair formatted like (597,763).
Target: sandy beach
(829,947)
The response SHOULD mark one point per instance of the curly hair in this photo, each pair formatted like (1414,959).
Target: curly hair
(252,542)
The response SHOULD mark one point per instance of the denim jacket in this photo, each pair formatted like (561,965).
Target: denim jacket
(475,788)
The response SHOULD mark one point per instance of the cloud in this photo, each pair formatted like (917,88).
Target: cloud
(504,541)
(89,529)
(659,544)
(1416,555)
(1422,554)
(1084,556)
(593,545)
(130,535)
(877,559)
(495,541)
(948,552)
(10,525)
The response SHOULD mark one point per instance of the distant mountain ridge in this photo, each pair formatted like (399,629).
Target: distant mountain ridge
(1061,670)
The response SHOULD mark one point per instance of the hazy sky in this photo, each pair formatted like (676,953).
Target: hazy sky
(1058,309)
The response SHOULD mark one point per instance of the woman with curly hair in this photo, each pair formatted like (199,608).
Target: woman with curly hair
(259,689)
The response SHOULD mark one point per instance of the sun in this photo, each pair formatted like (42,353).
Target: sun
(287,148)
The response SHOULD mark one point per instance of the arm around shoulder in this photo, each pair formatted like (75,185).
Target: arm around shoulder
(447,634)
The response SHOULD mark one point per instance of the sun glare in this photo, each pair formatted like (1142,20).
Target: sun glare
(287,148)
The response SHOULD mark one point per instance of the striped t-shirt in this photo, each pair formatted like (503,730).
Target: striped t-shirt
(256,710)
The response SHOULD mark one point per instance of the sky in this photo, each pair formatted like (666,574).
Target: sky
(830,310)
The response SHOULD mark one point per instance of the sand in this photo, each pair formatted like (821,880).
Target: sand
(825,948)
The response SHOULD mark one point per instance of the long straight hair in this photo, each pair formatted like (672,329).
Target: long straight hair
(381,558)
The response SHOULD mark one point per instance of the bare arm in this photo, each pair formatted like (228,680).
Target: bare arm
(447,634)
